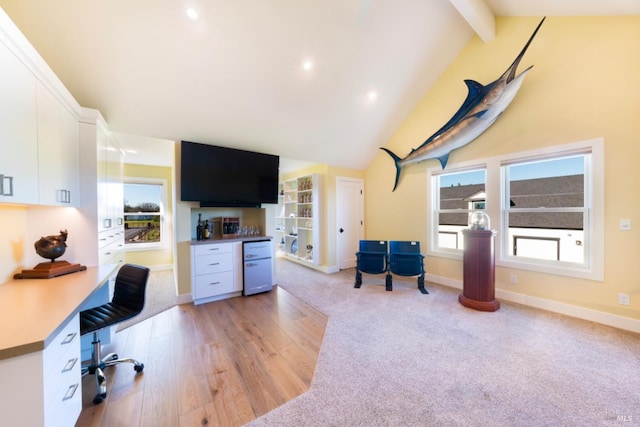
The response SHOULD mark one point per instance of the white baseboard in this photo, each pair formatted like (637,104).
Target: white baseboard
(601,317)
(160,267)
(184,299)
(323,268)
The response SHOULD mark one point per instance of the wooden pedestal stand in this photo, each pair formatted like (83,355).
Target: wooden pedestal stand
(478,291)
(48,270)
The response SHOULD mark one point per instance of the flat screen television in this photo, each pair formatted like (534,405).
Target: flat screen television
(227,177)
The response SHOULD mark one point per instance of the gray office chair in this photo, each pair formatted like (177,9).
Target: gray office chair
(127,302)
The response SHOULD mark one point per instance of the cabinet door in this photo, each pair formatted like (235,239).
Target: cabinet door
(110,190)
(18,131)
(58,152)
(104,220)
(115,189)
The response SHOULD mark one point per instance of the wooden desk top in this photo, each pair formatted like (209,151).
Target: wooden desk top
(32,311)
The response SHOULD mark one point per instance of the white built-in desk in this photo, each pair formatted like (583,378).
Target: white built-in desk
(40,347)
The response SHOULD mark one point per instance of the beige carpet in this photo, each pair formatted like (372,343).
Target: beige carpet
(405,359)
(160,296)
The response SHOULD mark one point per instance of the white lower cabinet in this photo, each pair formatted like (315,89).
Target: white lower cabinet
(43,388)
(216,271)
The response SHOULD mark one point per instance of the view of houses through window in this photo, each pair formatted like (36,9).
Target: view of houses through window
(459,194)
(143,203)
(544,208)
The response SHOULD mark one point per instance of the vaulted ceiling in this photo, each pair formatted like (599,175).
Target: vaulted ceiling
(316,81)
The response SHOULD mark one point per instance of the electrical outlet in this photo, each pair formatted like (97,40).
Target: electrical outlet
(625,224)
(623,299)
(514,278)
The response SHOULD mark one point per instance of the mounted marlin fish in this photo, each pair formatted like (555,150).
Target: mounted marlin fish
(479,110)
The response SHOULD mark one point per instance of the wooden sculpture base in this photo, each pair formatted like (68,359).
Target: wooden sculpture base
(48,270)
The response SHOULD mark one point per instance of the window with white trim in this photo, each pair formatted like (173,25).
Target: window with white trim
(457,194)
(544,208)
(143,212)
(547,206)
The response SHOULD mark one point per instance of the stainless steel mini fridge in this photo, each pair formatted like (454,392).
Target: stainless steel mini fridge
(258,271)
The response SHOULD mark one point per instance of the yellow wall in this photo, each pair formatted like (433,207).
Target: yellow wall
(157,257)
(22,226)
(584,84)
(13,245)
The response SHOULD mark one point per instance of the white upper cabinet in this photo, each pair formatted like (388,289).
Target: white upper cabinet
(18,131)
(110,165)
(58,159)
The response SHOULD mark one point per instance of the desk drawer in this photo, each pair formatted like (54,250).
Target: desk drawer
(214,248)
(113,253)
(62,376)
(65,409)
(209,285)
(67,338)
(107,237)
(213,263)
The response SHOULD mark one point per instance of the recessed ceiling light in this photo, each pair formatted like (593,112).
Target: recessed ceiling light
(192,14)
(372,95)
(307,65)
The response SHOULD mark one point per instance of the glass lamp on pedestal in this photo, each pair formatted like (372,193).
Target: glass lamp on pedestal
(479,220)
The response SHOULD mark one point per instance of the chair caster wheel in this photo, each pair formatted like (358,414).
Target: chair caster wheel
(99,398)
(138,368)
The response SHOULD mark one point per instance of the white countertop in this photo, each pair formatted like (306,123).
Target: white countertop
(230,239)
(33,310)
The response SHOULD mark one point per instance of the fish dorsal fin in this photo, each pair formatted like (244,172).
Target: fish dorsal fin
(475,89)
(443,160)
(476,92)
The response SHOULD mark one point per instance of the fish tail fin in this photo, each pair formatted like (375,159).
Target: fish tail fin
(396,160)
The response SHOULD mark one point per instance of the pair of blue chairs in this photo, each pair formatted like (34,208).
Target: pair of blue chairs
(394,257)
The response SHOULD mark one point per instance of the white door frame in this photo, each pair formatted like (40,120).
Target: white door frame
(342,216)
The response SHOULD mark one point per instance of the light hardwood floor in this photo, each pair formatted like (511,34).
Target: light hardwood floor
(221,364)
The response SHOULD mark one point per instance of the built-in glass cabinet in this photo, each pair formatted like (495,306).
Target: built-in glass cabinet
(298,219)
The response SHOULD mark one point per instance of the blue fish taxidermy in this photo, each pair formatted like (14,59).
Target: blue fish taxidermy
(480,109)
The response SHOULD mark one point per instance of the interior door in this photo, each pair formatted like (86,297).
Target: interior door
(349,220)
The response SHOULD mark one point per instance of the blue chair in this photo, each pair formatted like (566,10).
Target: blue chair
(405,259)
(373,258)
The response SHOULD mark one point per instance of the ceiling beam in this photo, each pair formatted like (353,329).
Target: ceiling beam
(479,16)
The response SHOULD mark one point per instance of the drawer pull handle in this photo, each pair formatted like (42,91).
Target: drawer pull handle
(4,192)
(70,392)
(215,263)
(69,338)
(214,283)
(70,364)
(214,249)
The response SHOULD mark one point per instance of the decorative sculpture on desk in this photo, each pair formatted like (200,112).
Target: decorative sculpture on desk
(51,247)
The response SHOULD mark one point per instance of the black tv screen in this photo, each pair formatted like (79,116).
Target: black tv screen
(226,177)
